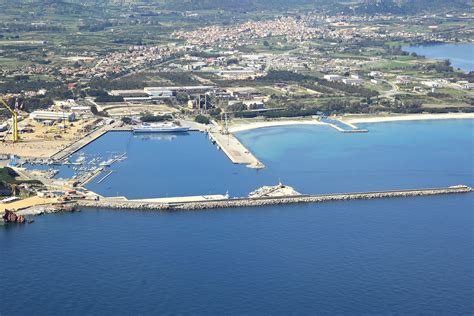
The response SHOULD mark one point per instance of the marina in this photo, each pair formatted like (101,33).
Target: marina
(84,141)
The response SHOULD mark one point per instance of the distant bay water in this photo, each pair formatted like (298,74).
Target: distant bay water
(460,55)
(404,256)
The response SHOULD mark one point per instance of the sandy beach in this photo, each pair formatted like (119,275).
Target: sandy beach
(354,119)
(239,127)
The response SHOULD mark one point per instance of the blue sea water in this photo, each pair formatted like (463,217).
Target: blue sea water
(460,55)
(407,256)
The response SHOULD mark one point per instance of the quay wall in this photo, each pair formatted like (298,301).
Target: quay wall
(82,142)
(266,201)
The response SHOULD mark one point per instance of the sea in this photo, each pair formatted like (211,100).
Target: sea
(406,256)
(460,54)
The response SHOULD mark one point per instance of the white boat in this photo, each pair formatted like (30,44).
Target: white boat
(80,159)
(160,128)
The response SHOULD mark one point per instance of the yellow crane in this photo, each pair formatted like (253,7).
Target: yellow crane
(16,134)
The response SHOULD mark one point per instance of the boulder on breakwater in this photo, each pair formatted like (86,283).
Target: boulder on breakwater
(48,209)
(11,217)
(264,201)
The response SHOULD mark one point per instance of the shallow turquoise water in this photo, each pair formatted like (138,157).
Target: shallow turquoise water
(460,55)
(404,256)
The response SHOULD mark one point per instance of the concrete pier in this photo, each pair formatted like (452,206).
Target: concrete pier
(173,204)
(234,149)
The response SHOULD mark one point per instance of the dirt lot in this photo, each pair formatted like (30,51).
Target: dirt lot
(44,140)
(131,109)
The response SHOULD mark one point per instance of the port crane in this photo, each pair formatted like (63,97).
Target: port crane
(15,132)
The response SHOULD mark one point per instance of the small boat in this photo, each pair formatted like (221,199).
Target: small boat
(80,159)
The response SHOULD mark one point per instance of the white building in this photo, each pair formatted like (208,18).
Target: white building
(431,84)
(333,77)
(159,93)
(376,74)
(466,85)
(353,81)
(52,116)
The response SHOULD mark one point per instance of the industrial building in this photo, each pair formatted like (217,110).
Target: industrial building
(53,116)
(151,91)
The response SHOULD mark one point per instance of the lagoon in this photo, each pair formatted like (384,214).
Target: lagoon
(460,55)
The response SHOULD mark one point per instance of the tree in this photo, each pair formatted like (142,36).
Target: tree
(182,97)
(202,119)
(127,120)
(149,118)
(94,110)
(236,107)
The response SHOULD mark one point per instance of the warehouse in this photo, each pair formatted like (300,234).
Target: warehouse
(52,116)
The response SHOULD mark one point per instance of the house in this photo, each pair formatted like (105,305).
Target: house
(431,84)
(403,80)
(333,78)
(353,81)
(466,85)
(376,74)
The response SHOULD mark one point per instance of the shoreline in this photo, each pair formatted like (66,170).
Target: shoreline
(351,119)
(262,124)
(407,117)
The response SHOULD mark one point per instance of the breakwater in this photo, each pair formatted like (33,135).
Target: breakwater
(264,201)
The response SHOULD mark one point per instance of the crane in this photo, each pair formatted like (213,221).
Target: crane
(16,134)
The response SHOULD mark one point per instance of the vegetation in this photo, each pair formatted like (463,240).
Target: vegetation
(202,119)
(109,98)
(8,175)
(150,118)
(126,120)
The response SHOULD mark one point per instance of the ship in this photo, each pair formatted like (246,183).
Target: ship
(160,128)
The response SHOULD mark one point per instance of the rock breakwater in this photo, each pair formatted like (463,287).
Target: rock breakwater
(266,201)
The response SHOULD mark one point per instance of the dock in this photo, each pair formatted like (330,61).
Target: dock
(105,177)
(342,126)
(177,204)
(234,149)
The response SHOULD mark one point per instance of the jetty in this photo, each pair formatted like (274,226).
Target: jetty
(187,204)
(234,149)
(343,126)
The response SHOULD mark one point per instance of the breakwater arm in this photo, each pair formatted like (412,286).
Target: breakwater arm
(265,201)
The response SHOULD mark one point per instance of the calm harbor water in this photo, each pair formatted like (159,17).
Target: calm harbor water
(312,159)
(460,55)
(394,256)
